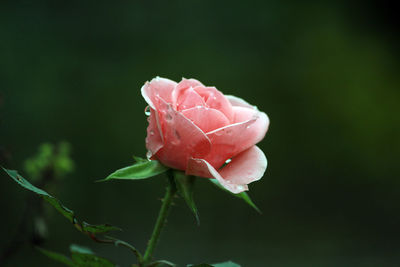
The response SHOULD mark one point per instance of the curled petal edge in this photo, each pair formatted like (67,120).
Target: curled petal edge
(156,139)
(247,167)
(239,102)
(149,89)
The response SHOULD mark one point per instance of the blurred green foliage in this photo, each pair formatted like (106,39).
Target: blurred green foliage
(55,159)
(326,73)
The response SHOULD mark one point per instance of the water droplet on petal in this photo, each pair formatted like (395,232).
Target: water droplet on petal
(177,135)
(147,111)
(151,132)
(240,187)
(168,117)
(219,133)
(177,138)
(228,161)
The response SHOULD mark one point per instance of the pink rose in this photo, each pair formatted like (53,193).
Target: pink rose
(197,129)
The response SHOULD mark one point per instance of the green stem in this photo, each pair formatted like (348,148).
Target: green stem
(161,219)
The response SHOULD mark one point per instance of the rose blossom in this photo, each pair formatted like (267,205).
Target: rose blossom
(197,129)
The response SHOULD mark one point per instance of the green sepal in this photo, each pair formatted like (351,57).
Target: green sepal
(185,185)
(244,196)
(139,159)
(142,169)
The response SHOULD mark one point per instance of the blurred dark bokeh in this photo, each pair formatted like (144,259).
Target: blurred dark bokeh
(326,73)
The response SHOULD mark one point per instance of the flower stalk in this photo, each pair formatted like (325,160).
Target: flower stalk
(161,219)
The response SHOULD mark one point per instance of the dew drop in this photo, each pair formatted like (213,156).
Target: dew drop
(228,161)
(151,132)
(147,111)
(218,133)
(177,138)
(239,187)
(175,142)
(177,135)
(168,117)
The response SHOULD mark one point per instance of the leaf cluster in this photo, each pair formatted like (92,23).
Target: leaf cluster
(141,169)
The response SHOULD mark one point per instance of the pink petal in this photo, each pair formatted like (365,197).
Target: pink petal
(154,138)
(229,141)
(182,86)
(207,119)
(241,114)
(237,101)
(216,100)
(189,99)
(160,87)
(246,167)
(182,138)
(202,168)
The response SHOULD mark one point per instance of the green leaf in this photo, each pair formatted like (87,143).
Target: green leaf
(90,260)
(185,185)
(81,257)
(98,228)
(83,227)
(161,263)
(80,249)
(142,169)
(242,195)
(69,214)
(222,264)
(51,161)
(57,257)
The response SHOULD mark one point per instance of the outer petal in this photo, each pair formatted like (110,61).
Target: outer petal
(237,101)
(182,86)
(245,168)
(154,138)
(229,141)
(216,100)
(248,166)
(182,138)
(241,114)
(207,119)
(160,87)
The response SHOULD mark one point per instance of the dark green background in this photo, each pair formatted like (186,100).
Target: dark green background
(326,73)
